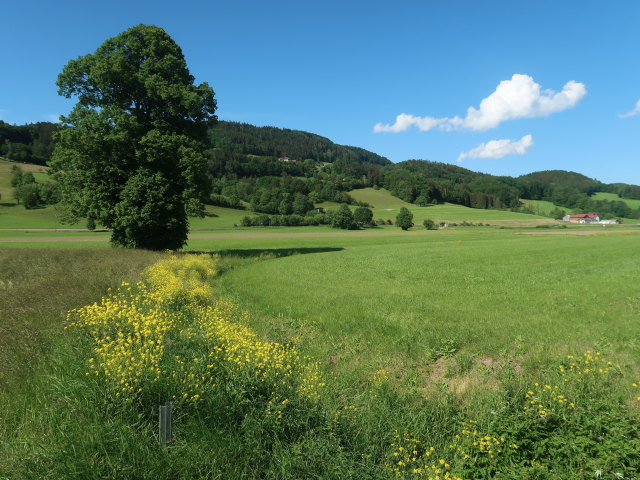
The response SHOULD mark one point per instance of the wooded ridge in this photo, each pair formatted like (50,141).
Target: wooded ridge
(269,168)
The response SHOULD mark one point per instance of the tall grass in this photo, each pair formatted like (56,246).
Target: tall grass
(37,288)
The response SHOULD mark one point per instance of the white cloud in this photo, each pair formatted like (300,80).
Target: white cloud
(499,148)
(52,117)
(519,97)
(404,121)
(631,113)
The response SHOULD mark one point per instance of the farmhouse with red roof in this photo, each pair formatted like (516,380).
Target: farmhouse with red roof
(582,218)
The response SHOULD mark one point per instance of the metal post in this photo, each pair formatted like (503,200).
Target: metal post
(165,423)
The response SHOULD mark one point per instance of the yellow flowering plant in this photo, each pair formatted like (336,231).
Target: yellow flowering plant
(167,338)
(408,457)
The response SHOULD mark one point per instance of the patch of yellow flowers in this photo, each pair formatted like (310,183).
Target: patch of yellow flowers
(409,458)
(544,400)
(182,279)
(471,443)
(379,377)
(590,364)
(166,336)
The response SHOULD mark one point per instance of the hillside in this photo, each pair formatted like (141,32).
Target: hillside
(612,197)
(386,207)
(545,184)
(31,143)
(247,167)
(246,139)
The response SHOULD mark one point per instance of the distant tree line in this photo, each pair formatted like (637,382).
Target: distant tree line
(243,138)
(574,191)
(32,143)
(342,218)
(279,195)
(245,171)
(31,193)
(623,190)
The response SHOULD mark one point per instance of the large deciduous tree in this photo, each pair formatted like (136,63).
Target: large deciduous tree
(130,153)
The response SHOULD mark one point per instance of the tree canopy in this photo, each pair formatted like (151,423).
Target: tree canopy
(130,153)
(404,219)
(342,218)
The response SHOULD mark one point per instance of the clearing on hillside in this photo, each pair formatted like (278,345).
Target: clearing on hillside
(613,197)
(386,207)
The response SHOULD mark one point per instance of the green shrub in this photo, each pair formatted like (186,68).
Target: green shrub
(404,220)
(342,218)
(430,224)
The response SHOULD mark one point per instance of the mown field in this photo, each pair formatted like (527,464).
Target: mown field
(633,203)
(387,207)
(414,335)
(540,207)
(481,291)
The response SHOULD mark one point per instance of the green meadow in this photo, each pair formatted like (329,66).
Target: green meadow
(633,203)
(13,215)
(386,207)
(415,333)
(509,350)
(540,207)
(396,297)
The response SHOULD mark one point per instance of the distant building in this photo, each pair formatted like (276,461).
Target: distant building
(287,159)
(608,222)
(320,210)
(582,218)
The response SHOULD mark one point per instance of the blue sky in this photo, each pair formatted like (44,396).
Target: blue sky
(501,87)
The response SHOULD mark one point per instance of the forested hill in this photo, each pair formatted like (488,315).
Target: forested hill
(246,168)
(246,139)
(542,184)
(32,143)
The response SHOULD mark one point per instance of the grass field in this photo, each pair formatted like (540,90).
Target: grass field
(410,293)
(380,198)
(6,191)
(387,207)
(13,215)
(414,333)
(464,343)
(614,197)
(540,207)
